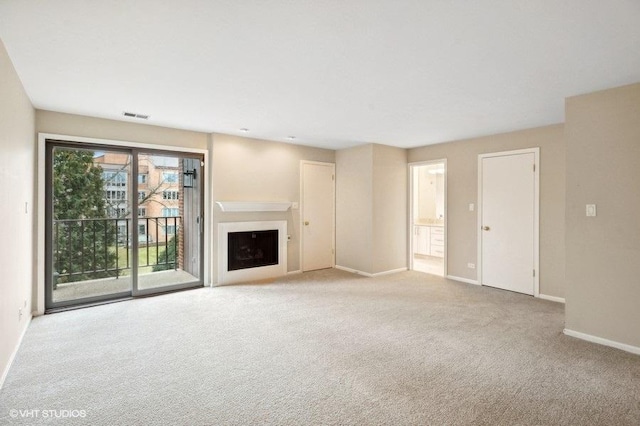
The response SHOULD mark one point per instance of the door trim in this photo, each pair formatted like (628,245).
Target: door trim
(536,213)
(40,256)
(411,218)
(301,212)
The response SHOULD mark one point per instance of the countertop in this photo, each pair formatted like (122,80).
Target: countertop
(429,223)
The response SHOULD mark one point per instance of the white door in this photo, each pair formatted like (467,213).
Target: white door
(508,221)
(318,215)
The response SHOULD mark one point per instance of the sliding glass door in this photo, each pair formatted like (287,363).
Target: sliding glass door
(120,223)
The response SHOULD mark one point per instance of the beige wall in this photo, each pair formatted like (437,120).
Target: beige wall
(100,128)
(603,168)
(462,189)
(17,150)
(256,170)
(354,200)
(390,208)
(371,208)
(429,192)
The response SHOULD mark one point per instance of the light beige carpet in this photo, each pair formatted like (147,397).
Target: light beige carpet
(325,347)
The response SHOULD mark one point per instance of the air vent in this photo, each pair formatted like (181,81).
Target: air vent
(134,115)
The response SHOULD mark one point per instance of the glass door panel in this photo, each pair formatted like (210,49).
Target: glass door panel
(168,222)
(88,225)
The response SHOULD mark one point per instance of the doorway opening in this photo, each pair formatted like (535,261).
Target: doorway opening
(120,222)
(428,224)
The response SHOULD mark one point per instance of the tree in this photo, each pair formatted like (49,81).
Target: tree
(83,238)
(78,188)
(167,257)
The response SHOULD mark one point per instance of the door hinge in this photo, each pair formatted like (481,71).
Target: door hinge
(534,167)
(534,272)
(333,251)
(333,177)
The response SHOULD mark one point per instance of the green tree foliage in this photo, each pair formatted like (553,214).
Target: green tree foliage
(83,240)
(78,188)
(167,257)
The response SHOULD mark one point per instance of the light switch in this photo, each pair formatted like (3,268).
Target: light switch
(591,210)
(472,207)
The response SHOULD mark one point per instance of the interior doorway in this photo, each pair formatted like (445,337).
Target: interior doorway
(428,224)
(120,222)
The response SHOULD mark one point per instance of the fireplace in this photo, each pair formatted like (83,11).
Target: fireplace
(251,250)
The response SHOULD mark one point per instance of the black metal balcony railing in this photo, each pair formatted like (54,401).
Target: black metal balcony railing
(86,249)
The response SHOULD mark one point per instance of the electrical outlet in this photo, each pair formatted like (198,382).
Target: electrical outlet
(471,265)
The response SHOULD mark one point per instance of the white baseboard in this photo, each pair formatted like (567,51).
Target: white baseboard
(15,351)
(551,298)
(367,274)
(353,271)
(299,271)
(602,341)
(462,280)
(391,271)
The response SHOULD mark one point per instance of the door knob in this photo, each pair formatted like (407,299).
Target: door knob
(486,228)
(306,222)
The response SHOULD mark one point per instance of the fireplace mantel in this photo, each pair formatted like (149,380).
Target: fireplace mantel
(254,206)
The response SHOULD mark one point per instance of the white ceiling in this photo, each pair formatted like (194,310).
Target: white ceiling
(332,73)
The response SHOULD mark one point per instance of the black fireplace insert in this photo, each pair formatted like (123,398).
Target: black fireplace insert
(252,249)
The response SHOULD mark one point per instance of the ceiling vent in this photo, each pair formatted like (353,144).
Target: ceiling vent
(134,115)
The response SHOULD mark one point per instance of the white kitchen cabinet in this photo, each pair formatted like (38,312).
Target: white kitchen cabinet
(421,240)
(428,240)
(436,241)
